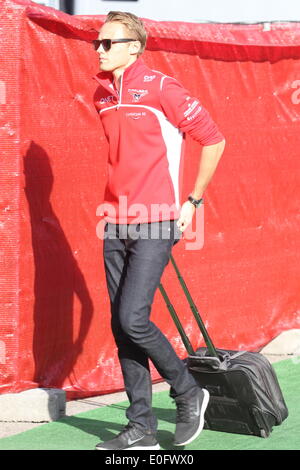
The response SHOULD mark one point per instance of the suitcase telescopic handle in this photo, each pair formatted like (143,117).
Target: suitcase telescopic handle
(210,346)
(177,322)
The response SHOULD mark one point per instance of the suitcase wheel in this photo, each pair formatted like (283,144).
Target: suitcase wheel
(264,433)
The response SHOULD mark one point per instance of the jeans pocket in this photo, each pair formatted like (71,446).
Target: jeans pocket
(177,232)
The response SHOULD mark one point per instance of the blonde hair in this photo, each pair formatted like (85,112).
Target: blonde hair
(132,23)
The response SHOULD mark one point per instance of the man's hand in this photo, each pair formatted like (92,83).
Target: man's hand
(210,156)
(186,215)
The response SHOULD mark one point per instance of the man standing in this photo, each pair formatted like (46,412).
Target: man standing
(145,115)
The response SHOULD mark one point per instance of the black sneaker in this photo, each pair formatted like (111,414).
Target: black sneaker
(131,437)
(190,416)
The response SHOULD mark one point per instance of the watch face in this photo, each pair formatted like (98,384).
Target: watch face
(195,202)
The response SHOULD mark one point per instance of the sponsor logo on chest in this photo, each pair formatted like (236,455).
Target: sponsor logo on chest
(149,78)
(137,94)
(107,99)
(136,116)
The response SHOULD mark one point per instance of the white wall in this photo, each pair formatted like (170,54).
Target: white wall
(49,3)
(198,10)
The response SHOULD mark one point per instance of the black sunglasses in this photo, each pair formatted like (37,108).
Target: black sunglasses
(106,43)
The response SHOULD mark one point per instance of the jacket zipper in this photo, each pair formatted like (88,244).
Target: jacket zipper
(120,93)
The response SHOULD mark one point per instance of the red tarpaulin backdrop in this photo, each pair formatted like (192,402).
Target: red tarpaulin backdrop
(55,320)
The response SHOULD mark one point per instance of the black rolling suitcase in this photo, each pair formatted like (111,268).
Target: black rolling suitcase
(245,396)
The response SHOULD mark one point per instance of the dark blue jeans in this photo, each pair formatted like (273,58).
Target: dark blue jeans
(135,257)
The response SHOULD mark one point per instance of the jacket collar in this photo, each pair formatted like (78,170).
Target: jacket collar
(106,78)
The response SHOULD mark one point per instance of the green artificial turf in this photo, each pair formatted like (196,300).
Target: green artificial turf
(85,430)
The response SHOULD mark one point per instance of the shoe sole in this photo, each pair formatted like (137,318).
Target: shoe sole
(201,421)
(156,447)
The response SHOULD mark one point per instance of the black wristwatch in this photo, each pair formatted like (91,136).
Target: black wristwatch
(196,202)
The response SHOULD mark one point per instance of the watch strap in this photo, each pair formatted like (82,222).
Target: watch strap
(196,202)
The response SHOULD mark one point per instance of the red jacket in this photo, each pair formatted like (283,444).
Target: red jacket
(145,125)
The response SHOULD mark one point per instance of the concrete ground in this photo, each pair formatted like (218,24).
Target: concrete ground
(74,407)
(285,346)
